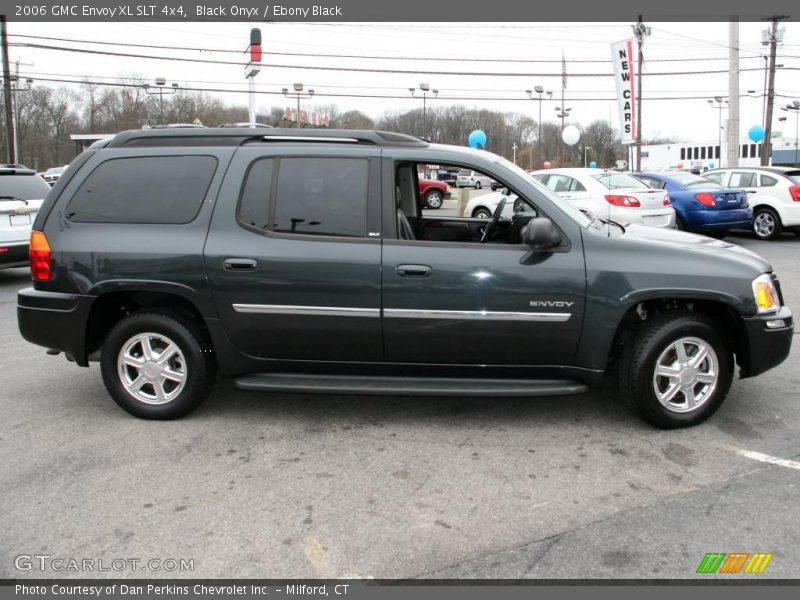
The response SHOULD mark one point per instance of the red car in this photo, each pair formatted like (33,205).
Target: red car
(432,193)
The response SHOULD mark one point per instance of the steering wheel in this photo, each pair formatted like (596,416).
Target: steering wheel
(494,220)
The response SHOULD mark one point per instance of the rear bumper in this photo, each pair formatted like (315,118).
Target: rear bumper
(718,219)
(651,218)
(55,321)
(767,340)
(14,255)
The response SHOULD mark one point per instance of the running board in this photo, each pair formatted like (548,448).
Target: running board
(407,386)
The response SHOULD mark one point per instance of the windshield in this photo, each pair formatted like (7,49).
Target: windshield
(691,181)
(570,211)
(464,173)
(616,181)
(24,187)
(794,176)
(54,171)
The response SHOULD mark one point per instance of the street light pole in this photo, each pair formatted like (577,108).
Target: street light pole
(424,88)
(160,90)
(720,104)
(514,150)
(539,90)
(298,93)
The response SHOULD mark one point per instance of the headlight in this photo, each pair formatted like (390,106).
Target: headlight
(765,294)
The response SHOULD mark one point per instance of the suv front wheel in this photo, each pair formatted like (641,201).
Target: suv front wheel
(676,369)
(156,366)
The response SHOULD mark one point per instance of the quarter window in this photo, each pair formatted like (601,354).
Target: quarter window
(146,189)
(322,196)
(767,181)
(254,201)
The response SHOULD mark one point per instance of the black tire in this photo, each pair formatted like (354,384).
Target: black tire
(481,213)
(477,185)
(766,224)
(434,199)
(644,348)
(198,365)
(679,224)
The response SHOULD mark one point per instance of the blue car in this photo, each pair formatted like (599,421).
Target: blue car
(701,205)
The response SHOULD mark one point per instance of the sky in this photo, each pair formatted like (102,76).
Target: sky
(671,47)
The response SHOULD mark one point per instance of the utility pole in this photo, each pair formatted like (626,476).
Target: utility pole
(12,151)
(732,132)
(766,145)
(640,30)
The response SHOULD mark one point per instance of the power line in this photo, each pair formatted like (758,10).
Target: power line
(375,96)
(367,57)
(363,69)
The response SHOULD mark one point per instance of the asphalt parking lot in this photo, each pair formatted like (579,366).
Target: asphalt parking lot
(255,485)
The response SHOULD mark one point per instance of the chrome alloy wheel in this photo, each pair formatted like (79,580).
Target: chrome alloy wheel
(764,224)
(152,368)
(686,374)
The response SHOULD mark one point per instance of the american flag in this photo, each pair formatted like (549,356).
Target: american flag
(563,72)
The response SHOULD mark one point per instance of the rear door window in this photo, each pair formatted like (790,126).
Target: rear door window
(322,196)
(742,179)
(144,189)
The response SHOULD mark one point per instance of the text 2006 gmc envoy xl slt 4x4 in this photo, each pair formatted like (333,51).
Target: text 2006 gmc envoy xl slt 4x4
(301,261)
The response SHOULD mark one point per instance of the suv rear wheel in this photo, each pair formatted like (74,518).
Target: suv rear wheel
(676,370)
(156,366)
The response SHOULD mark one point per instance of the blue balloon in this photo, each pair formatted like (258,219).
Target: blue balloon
(592,165)
(756,133)
(477,139)
(712,164)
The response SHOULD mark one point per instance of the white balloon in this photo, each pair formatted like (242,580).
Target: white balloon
(571,135)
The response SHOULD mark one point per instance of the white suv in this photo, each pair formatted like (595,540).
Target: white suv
(773,192)
(21,194)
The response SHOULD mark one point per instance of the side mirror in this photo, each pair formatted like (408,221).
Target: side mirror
(505,191)
(540,234)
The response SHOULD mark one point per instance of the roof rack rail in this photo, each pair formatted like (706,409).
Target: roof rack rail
(236,136)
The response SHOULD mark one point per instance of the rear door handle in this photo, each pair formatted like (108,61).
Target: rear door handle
(413,270)
(240,264)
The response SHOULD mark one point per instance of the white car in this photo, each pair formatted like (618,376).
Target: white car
(610,195)
(483,206)
(22,192)
(53,174)
(773,192)
(473,179)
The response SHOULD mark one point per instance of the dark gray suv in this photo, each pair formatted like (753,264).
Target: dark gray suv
(302,261)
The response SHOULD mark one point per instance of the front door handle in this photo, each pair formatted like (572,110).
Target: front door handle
(240,264)
(413,270)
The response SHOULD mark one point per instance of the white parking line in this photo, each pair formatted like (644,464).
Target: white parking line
(766,458)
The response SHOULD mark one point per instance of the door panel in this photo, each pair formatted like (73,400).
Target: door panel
(291,295)
(490,304)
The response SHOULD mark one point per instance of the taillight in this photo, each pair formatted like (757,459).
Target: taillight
(704,198)
(40,256)
(795,192)
(667,201)
(627,201)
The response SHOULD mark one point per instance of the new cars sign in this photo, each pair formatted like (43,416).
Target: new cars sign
(622,58)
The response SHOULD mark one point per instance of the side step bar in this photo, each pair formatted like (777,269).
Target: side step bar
(407,386)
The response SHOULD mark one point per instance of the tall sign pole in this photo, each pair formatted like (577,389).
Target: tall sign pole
(732,132)
(640,30)
(252,69)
